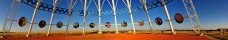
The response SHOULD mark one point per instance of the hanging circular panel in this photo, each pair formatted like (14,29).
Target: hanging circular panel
(76,25)
(140,22)
(158,21)
(22,21)
(59,25)
(124,24)
(179,18)
(108,24)
(42,23)
(92,25)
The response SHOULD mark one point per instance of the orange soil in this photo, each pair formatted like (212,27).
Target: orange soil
(116,37)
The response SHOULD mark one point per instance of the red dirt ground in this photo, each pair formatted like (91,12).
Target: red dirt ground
(116,37)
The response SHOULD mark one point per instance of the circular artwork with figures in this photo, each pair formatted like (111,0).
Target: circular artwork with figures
(22,21)
(59,25)
(124,24)
(42,23)
(92,25)
(76,25)
(158,21)
(108,24)
(140,22)
(179,18)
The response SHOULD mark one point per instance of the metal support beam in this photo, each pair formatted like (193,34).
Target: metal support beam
(221,31)
(11,23)
(190,8)
(85,8)
(132,21)
(8,13)
(197,18)
(168,17)
(52,16)
(114,11)
(190,18)
(99,12)
(33,18)
(148,16)
(69,12)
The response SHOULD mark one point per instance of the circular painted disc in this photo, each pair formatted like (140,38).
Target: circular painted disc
(92,25)
(42,23)
(140,22)
(124,24)
(179,18)
(108,24)
(76,25)
(59,25)
(22,21)
(158,21)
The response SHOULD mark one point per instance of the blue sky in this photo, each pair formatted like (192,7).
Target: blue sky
(212,15)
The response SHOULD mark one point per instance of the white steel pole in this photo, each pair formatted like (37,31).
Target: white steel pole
(114,11)
(69,11)
(52,16)
(132,21)
(221,31)
(99,12)
(169,20)
(8,13)
(13,17)
(83,32)
(190,18)
(148,16)
(197,18)
(33,18)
